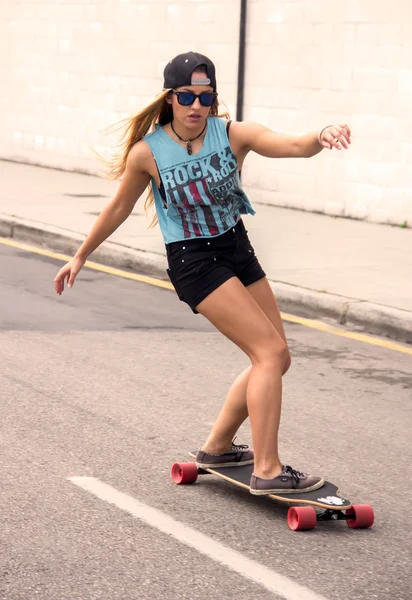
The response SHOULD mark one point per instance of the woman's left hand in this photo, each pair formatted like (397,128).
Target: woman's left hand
(335,136)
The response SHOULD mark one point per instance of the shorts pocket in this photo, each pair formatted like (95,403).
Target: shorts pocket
(188,266)
(203,263)
(250,248)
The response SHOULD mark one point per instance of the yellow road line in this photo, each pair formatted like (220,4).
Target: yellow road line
(360,337)
(90,264)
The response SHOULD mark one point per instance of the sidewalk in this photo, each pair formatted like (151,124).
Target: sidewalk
(356,273)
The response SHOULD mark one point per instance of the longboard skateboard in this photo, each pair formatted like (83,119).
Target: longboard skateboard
(301,517)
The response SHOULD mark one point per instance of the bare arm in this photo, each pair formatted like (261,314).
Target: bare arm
(257,138)
(135,180)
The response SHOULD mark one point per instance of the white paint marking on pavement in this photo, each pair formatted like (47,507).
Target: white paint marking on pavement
(248,568)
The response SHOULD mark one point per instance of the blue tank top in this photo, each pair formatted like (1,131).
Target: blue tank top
(200,194)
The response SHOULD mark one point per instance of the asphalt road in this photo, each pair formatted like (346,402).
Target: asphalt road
(116,380)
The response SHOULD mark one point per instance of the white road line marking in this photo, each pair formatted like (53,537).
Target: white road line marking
(246,567)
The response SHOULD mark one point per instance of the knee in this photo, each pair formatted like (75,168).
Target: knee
(284,359)
(278,356)
(287,363)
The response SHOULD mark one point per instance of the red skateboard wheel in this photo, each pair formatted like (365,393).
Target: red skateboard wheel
(184,473)
(301,518)
(364,516)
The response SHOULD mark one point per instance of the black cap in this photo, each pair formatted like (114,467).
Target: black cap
(178,71)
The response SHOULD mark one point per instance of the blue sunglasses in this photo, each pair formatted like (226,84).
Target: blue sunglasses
(188,98)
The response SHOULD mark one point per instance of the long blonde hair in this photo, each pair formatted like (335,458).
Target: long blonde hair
(159,111)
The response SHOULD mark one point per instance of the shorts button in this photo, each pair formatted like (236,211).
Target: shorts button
(208,243)
(184,248)
(233,230)
(215,258)
(183,260)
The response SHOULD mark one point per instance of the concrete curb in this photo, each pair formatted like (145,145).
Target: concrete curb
(355,314)
(65,241)
(351,312)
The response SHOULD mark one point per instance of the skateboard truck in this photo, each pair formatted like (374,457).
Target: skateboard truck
(334,515)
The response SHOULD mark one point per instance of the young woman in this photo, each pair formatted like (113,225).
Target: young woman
(191,158)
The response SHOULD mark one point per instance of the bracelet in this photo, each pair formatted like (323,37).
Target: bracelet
(320,134)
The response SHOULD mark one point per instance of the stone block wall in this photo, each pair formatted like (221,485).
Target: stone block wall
(69,69)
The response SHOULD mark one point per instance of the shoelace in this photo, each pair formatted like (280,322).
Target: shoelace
(295,474)
(237,447)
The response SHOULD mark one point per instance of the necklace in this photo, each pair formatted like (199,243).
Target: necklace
(188,142)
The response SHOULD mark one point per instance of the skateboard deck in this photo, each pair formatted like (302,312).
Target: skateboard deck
(328,496)
(302,514)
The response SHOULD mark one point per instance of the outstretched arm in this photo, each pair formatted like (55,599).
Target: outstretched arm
(264,141)
(135,180)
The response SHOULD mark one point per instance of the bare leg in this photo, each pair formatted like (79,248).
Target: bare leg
(234,411)
(269,355)
(231,417)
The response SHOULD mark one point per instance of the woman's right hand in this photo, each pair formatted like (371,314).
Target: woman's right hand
(69,273)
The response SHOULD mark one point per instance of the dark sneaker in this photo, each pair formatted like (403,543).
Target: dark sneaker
(238,456)
(288,482)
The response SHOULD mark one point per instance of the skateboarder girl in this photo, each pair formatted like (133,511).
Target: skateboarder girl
(190,158)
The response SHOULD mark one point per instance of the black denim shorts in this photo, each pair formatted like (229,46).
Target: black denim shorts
(198,266)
